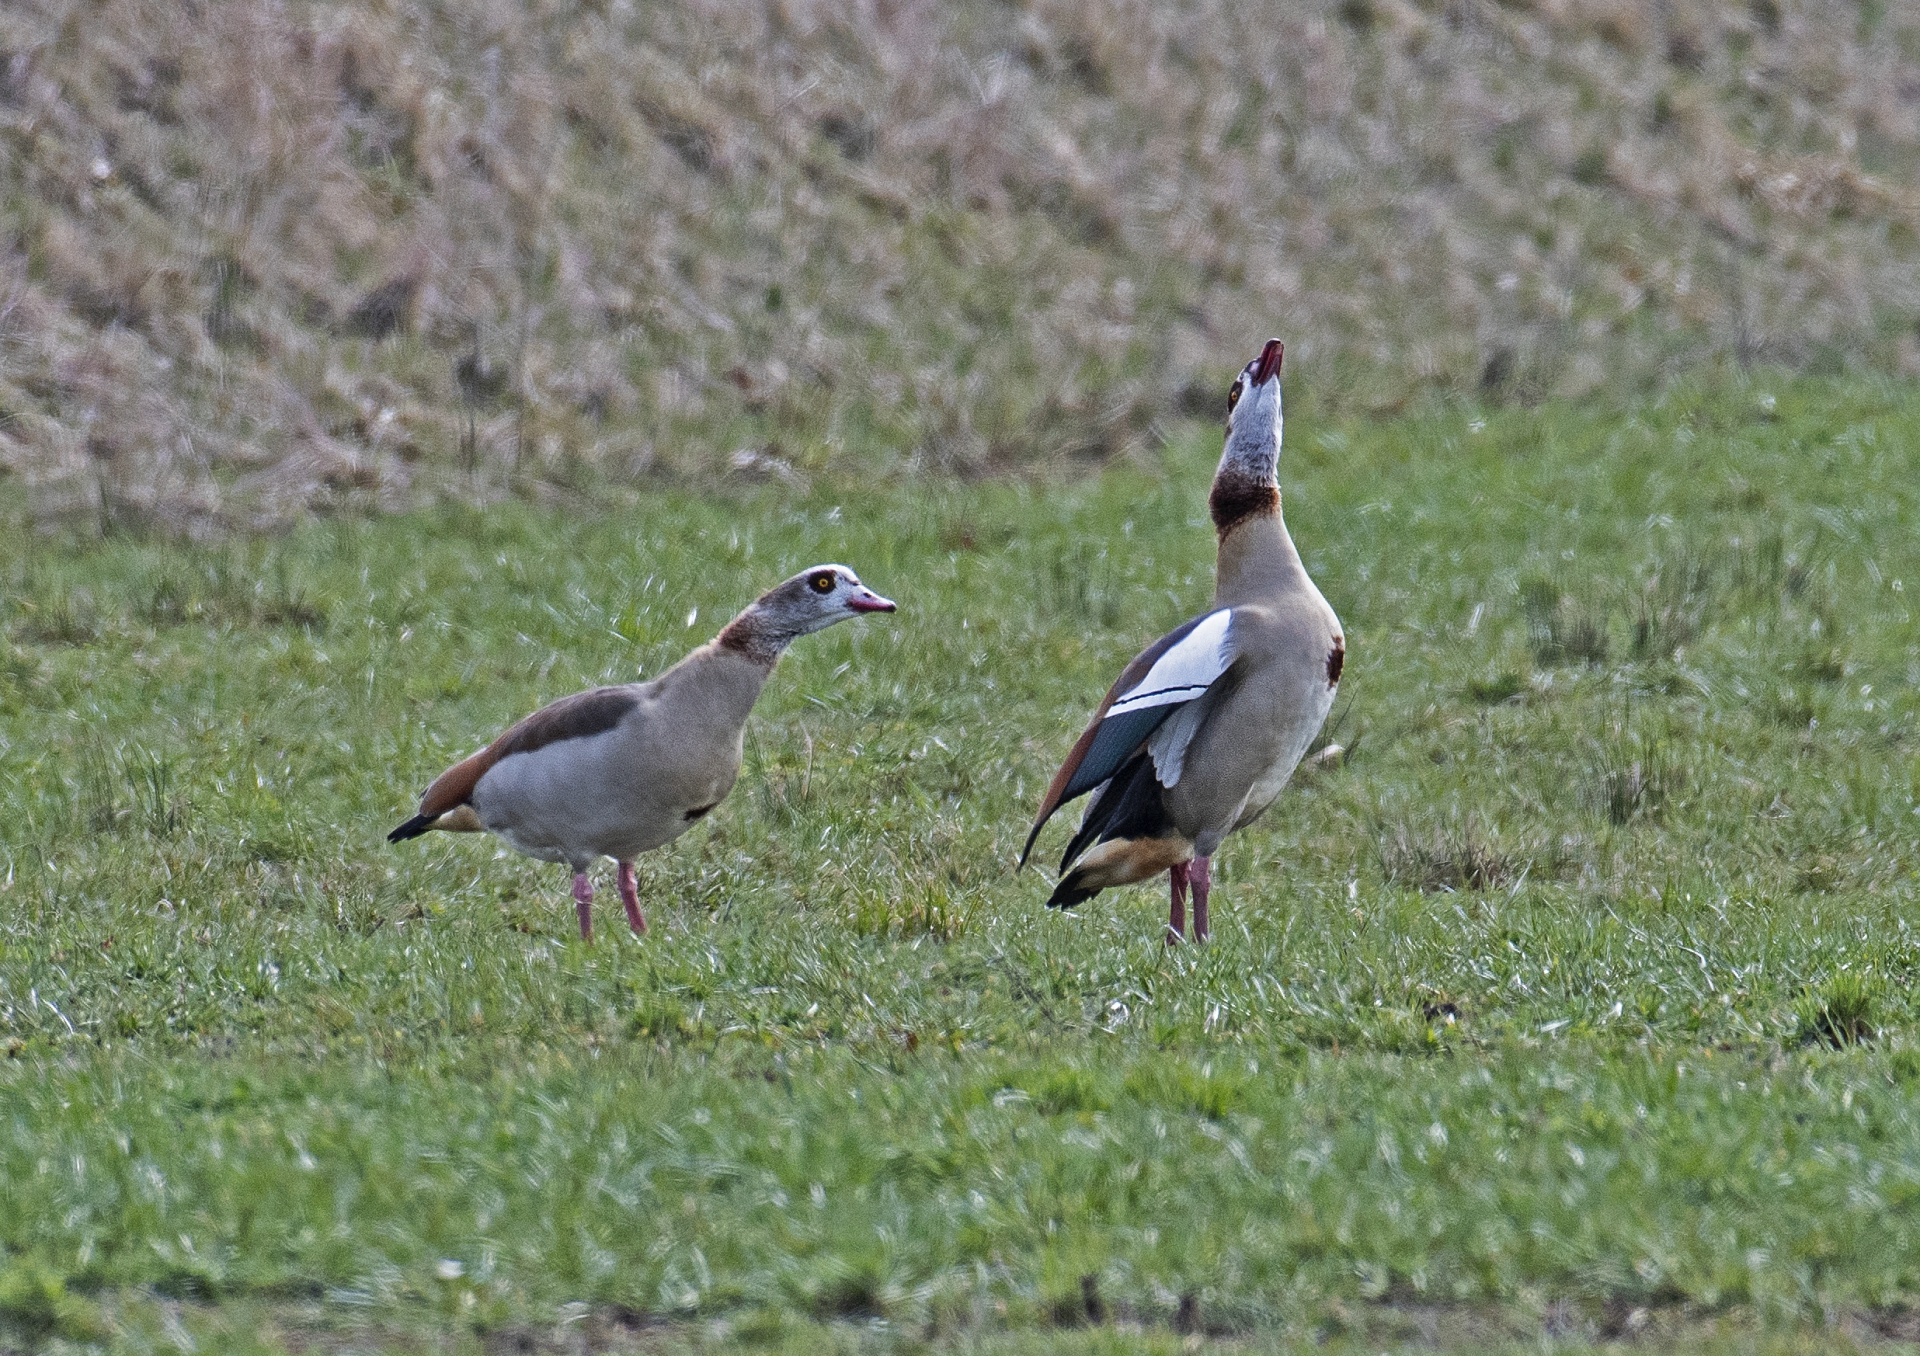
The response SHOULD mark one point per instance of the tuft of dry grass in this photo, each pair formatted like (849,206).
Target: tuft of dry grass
(1633,777)
(1562,628)
(258,259)
(1460,856)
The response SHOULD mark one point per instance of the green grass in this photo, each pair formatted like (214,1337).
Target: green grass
(1574,1004)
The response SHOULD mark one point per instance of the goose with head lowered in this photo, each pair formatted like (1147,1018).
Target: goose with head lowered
(617,771)
(1206,725)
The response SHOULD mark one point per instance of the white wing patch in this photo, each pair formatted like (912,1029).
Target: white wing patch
(1168,744)
(1184,671)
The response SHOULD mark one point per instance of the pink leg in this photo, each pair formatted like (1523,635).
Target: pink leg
(630,896)
(583,904)
(1199,873)
(1177,914)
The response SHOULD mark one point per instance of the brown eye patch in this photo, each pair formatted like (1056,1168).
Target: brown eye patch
(1233,396)
(821,583)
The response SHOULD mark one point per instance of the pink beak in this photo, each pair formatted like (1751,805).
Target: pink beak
(1270,357)
(866,600)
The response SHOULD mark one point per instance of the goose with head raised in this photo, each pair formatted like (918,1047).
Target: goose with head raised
(1206,725)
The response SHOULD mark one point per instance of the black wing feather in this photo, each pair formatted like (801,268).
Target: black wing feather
(1120,738)
(1109,742)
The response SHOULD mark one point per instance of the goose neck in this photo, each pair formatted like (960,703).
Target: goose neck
(758,636)
(1256,560)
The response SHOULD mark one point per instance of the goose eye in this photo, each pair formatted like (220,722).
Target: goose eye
(1233,396)
(821,583)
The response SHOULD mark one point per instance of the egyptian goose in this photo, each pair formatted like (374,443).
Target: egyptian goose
(1206,725)
(617,771)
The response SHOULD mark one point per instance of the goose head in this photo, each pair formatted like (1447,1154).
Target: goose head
(1254,418)
(817,598)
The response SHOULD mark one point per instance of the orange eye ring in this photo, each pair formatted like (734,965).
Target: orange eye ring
(1233,396)
(821,583)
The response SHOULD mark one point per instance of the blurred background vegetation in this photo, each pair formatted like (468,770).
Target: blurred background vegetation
(264,256)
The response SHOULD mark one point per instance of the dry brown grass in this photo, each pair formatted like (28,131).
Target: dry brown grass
(257,256)
(1458,855)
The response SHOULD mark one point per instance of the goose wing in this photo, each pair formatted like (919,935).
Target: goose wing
(580,716)
(1163,681)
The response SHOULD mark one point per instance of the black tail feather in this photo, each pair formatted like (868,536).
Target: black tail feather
(1069,893)
(413,828)
(1129,806)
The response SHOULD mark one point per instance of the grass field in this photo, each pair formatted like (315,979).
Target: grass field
(1575,1006)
